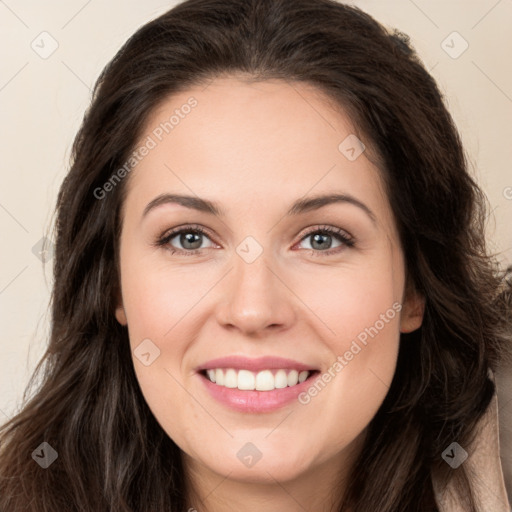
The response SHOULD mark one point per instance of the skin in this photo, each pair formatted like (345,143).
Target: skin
(255,149)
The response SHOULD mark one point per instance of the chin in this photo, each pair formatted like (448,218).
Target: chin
(272,466)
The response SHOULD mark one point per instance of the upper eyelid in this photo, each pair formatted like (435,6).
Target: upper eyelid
(171,233)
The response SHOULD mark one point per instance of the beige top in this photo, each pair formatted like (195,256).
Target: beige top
(483,463)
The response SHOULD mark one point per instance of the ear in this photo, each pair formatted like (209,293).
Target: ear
(120,312)
(413,309)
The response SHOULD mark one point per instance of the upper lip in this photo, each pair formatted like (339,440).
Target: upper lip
(257,364)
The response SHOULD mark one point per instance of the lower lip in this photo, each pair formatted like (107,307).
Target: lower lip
(256,401)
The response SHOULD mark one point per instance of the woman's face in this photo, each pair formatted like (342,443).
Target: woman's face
(262,282)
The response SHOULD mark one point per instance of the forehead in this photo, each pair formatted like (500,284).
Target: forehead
(281,113)
(235,140)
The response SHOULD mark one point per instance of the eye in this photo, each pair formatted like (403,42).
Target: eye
(321,240)
(190,238)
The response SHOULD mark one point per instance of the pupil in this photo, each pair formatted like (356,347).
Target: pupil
(318,239)
(189,238)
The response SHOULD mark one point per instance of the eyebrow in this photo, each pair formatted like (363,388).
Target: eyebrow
(300,206)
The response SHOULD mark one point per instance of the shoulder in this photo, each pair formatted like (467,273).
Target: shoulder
(482,467)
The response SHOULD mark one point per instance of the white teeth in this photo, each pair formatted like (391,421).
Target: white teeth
(303,376)
(293,378)
(281,380)
(230,379)
(265,380)
(245,379)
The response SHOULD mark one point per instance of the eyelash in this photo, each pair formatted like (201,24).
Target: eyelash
(342,236)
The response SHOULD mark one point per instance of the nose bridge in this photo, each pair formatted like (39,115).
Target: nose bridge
(255,297)
(251,272)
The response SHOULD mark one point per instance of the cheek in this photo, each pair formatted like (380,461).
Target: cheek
(351,300)
(157,296)
(349,392)
(361,308)
(159,304)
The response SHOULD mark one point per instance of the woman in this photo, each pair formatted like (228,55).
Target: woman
(248,370)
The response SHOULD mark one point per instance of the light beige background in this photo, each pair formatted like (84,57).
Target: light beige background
(42,101)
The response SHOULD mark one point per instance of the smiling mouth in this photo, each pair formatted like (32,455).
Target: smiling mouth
(264,380)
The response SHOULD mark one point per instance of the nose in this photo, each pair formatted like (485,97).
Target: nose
(256,298)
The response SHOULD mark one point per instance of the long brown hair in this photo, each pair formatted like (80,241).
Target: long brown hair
(112,454)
